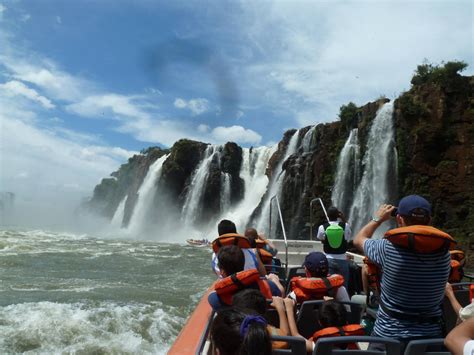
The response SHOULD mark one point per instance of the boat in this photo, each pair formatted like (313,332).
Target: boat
(198,242)
(194,337)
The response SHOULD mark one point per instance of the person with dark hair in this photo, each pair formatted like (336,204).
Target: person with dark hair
(228,234)
(317,281)
(416,265)
(231,261)
(251,301)
(253,236)
(233,332)
(335,234)
(332,317)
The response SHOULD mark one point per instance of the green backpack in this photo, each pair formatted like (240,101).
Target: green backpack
(335,234)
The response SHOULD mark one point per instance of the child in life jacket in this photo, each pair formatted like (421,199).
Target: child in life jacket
(231,264)
(234,332)
(251,301)
(317,284)
(332,318)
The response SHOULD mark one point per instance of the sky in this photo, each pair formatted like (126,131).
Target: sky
(84,85)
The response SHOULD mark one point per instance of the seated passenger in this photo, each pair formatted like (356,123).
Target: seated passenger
(333,319)
(228,235)
(231,263)
(461,313)
(233,333)
(317,284)
(251,301)
(371,276)
(461,339)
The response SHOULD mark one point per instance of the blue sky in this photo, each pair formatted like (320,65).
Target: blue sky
(86,84)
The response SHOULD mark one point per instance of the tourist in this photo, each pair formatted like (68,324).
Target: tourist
(316,266)
(416,265)
(252,261)
(231,265)
(462,313)
(332,317)
(335,234)
(253,236)
(251,301)
(234,332)
(460,340)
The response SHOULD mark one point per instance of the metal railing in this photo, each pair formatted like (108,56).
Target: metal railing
(282,228)
(311,214)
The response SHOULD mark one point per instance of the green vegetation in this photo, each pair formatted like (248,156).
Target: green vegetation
(443,74)
(347,113)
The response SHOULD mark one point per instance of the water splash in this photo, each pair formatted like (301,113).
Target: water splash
(378,162)
(146,193)
(347,175)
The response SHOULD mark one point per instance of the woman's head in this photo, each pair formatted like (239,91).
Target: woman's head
(332,314)
(234,333)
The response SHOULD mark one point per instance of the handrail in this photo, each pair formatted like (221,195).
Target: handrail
(311,215)
(282,228)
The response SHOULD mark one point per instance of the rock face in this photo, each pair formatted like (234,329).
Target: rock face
(435,141)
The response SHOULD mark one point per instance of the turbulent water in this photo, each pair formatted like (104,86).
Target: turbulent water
(64,293)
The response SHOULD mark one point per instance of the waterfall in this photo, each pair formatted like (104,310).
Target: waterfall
(347,174)
(118,215)
(378,162)
(307,142)
(197,186)
(252,171)
(146,194)
(262,224)
(225,197)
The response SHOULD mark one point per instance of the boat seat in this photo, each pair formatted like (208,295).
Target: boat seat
(292,272)
(296,345)
(307,321)
(422,347)
(461,291)
(325,346)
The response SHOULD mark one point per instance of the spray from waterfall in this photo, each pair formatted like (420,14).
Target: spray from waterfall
(225,197)
(276,187)
(374,187)
(347,175)
(146,194)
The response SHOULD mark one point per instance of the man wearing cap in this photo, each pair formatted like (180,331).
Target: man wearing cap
(413,282)
(316,265)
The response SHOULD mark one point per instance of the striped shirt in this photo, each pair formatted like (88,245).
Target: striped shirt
(410,283)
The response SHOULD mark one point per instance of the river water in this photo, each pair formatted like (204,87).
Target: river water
(65,293)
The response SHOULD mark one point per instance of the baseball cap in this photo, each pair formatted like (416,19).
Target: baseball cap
(414,205)
(316,262)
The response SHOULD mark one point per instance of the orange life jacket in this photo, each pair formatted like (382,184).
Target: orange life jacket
(458,255)
(421,239)
(313,288)
(471,291)
(346,330)
(456,274)
(228,286)
(374,274)
(265,256)
(230,239)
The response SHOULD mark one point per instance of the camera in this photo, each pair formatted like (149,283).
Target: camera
(394,212)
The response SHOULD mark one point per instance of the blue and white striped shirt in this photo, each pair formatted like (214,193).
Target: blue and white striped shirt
(411,282)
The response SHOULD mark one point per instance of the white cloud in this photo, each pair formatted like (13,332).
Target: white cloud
(96,106)
(15,87)
(196,106)
(25,17)
(236,134)
(203,128)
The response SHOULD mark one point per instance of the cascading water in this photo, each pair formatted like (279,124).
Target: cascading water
(118,215)
(378,162)
(275,187)
(197,186)
(252,171)
(307,142)
(347,175)
(146,194)
(225,197)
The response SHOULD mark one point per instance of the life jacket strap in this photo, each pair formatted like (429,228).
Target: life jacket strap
(330,289)
(236,281)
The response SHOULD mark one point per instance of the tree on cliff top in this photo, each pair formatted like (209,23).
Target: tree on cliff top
(428,73)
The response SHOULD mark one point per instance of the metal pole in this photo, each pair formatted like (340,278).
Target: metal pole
(282,228)
(311,214)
